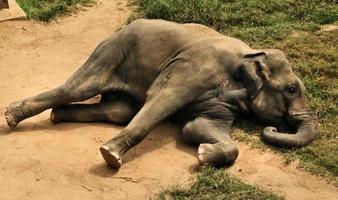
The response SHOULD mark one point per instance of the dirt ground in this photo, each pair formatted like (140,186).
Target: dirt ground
(39,160)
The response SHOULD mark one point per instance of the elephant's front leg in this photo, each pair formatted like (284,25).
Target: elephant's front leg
(215,145)
(169,93)
(153,112)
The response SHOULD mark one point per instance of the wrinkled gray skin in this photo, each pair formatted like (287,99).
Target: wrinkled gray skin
(4,4)
(153,70)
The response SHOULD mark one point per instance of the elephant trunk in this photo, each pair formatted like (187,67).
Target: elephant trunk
(305,134)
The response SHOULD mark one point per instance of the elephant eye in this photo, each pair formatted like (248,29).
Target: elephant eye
(292,89)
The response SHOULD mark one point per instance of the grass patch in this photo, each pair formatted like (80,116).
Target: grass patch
(258,22)
(292,26)
(217,184)
(46,10)
(315,57)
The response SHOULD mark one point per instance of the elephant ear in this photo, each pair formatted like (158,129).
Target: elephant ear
(253,72)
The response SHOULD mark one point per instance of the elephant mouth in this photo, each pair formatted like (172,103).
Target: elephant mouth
(284,123)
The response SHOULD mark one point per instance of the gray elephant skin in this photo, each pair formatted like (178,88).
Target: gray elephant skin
(153,70)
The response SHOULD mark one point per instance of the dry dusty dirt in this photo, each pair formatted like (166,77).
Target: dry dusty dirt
(39,160)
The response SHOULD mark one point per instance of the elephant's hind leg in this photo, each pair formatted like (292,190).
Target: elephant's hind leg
(215,145)
(20,110)
(96,76)
(68,93)
(119,112)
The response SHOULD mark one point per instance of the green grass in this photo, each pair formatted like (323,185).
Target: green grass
(293,26)
(217,184)
(315,56)
(46,10)
(258,22)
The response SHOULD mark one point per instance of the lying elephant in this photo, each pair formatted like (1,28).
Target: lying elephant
(152,70)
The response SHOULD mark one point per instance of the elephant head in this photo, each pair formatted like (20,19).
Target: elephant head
(277,96)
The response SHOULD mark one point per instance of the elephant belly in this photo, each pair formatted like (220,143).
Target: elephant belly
(135,80)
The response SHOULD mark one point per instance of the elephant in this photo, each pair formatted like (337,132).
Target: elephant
(153,70)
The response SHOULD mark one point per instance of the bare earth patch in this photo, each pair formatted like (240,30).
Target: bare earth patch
(329,27)
(268,170)
(40,160)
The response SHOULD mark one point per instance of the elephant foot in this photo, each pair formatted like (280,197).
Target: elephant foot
(52,117)
(62,114)
(55,115)
(111,158)
(13,114)
(10,119)
(217,154)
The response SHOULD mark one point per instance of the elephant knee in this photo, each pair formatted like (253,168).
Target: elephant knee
(197,132)
(187,133)
(60,114)
(120,113)
(232,154)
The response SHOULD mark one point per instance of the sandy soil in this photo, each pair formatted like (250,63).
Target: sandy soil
(39,160)
(268,170)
